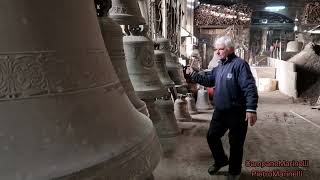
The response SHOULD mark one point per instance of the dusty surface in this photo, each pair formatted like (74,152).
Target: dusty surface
(308,82)
(279,134)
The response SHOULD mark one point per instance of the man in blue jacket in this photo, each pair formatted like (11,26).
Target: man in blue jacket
(236,101)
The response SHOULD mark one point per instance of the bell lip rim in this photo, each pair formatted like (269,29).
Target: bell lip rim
(144,146)
(161,40)
(126,19)
(133,39)
(182,119)
(169,85)
(209,108)
(193,112)
(160,52)
(151,94)
(168,135)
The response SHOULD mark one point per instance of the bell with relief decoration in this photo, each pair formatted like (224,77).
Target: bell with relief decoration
(180,109)
(160,61)
(112,35)
(203,101)
(140,58)
(62,105)
(294,46)
(126,12)
(191,104)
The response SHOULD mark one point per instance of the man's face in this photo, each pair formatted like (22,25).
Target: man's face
(223,52)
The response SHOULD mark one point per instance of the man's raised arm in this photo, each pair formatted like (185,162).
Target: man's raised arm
(207,80)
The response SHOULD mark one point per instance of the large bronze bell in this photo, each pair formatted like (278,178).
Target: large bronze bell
(139,50)
(203,101)
(126,12)
(112,35)
(191,104)
(180,109)
(141,67)
(160,60)
(62,105)
(174,70)
(180,68)
(183,87)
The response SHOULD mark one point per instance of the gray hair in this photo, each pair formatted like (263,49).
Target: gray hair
(225,40)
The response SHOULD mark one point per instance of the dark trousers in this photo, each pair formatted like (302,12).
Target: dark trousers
(234,120)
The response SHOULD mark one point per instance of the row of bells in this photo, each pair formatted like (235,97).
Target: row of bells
(146,73)
(185,106)
(80,114)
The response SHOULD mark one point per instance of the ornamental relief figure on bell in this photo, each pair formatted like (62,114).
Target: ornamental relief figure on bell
(146,56)
(21,75)
(118,10)
(34,74)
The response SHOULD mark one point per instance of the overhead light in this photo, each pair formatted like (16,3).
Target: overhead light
(274,8)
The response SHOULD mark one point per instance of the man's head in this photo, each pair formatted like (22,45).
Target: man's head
(224,47)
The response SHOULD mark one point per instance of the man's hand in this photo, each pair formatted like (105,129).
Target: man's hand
(189,70)
(251,118)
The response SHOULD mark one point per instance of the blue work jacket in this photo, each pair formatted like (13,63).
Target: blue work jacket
(234,84)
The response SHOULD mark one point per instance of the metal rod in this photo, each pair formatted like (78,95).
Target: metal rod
(316,125)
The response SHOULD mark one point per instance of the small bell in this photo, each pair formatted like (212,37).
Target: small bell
(180,109)
(167,126)
(191,104)
(203,102)
(154,111)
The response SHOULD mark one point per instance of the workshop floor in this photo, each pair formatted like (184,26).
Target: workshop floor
(284,131)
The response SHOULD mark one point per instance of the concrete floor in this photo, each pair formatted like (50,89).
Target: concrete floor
(284,131)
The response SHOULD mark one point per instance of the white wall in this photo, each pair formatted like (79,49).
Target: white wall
(286,76)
